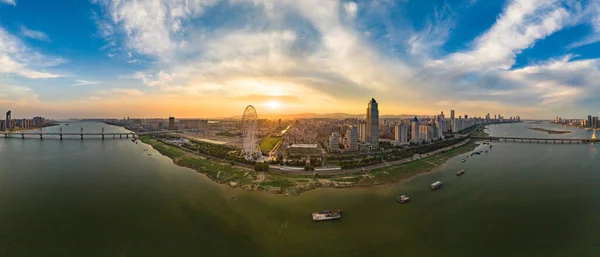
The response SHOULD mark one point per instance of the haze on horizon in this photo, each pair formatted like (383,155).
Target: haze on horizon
(211,58)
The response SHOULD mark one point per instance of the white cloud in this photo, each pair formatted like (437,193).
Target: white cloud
(18,59)
(339,63)
(119,93)
(81,82)
(521,24)
(351,9)
(9,2)
(16,95)
(38,35)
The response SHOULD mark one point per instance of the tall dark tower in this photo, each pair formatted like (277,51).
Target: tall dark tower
(373,123)
(8,118)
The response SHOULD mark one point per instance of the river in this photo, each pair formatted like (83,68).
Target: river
(114,197)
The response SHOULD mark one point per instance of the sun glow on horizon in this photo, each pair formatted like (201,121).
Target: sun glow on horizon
(273,105)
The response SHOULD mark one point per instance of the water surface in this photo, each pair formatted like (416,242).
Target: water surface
(110,198)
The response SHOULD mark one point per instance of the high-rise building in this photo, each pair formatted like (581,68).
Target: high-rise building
(351,138)
(595,122)
(8,118)
(589,121)
(171,123)
(373,124)
(362,132)
(334,142)
(557,119)
(452,121)
(415,129)
(401,134)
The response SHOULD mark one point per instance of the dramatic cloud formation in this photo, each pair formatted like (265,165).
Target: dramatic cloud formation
(532,58)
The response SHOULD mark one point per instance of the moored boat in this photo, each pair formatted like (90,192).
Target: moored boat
(402,199)
(326,215)
(460,172)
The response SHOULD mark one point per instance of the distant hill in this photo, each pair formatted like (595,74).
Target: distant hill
(274,116)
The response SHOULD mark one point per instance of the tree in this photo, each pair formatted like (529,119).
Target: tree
(258,167)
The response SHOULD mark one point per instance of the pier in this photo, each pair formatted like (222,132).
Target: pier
(539,140)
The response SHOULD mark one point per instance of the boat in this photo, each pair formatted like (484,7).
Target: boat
(486,151)
(460,172)
(463,160)
(402,199)
(327,215)
(436,185)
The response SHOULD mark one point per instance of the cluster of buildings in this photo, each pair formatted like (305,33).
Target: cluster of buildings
(171,123)
(359,135)
(591,122)
(11,123)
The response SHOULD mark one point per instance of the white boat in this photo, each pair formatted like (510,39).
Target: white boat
(327,215)
(403,199)
(460,172)
(436,185)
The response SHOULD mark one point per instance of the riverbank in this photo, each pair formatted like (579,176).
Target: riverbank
(549,131)
(291,184)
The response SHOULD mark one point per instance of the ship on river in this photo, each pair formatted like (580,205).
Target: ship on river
(327,215)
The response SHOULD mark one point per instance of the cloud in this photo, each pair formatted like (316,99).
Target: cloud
(18,59)
(81,82)
(351,9)
(38,35)
(9,2)
(309,48)
(16,95)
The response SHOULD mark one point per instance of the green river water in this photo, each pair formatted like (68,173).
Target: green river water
(110,198)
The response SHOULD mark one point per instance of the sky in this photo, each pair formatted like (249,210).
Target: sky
(212,58)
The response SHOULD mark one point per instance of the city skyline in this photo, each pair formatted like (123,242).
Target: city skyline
(115,58)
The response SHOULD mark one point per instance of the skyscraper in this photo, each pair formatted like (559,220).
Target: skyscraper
(415,129)
(8,118)
(373,124)
(452,121)
(589,121)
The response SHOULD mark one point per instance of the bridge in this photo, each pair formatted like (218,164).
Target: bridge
(539,140)
(40,134)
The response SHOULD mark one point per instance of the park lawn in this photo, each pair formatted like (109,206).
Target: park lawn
(269,142)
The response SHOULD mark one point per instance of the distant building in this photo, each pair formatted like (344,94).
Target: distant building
(415,129)
(595,122)
(334,142)
(8,119)
(401,134)
(589,121)
(172,123)
(351,138)
(193,124)
(373,124)
(303,149)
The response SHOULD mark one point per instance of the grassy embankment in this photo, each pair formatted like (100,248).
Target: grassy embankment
(277,182)
(268,143)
